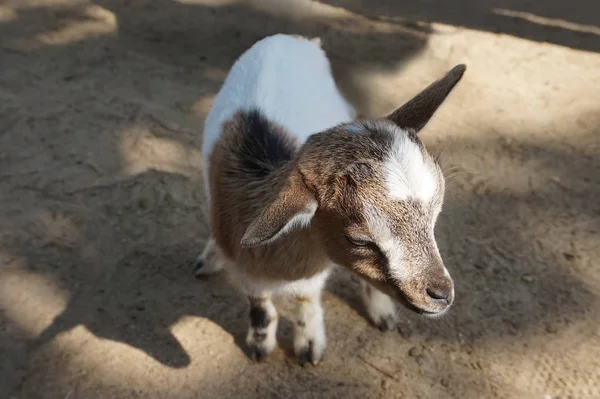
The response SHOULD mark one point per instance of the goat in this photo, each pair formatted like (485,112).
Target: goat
(296,185)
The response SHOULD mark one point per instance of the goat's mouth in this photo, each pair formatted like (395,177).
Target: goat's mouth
(418,303)
(425,303)
(426,311)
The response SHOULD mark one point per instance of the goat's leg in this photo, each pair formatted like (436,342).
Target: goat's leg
(208,262)
(309,325)
(380,307)
(261,337)
(309,330)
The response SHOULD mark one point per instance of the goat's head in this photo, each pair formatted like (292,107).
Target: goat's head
(373,194)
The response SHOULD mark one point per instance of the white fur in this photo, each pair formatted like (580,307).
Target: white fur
(287,78)
(255,288)
(386,240)
(379,306)
(310,312)
(407,173)
(210,260)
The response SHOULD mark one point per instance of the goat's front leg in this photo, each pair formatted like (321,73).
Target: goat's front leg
(309,335)
(380,307)
(261,337)
(309,324)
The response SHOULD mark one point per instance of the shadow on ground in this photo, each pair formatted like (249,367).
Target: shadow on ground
(572,24)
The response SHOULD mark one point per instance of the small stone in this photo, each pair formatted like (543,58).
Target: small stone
(551,329)
(385,384)
(480,188)
(527,278)
(142,203)
(420,360)
(568,256)
(479,266)
(405,331)
(414,352)
(468,348)
(444,382)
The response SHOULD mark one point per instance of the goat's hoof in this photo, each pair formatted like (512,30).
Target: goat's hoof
(207,266)
(258,354)
(198,266)
(309,354)
(387,323)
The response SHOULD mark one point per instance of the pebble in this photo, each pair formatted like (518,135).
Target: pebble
(385,384)
(551,329)
(414,351)
(405,331)
(568,256)
(527,278)
(468,348)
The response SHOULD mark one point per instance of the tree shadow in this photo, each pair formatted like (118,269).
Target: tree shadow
(573,24)
(138,298)
(504,280)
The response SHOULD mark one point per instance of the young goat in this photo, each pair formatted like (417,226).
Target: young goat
(296,186)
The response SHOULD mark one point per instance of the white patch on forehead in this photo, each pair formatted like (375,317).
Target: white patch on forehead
(407,173)
(386,240)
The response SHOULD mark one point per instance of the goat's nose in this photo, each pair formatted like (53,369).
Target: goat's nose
(440,294)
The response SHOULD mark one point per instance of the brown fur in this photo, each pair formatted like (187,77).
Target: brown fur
(236,203)
(343,180)
(339,170)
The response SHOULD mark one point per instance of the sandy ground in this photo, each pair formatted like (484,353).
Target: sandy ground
(101,202)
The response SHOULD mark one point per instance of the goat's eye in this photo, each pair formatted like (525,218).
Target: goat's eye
(357,242)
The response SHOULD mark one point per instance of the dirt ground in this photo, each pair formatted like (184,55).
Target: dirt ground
(101,200)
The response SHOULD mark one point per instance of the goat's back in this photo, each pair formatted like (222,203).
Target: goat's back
(288,80)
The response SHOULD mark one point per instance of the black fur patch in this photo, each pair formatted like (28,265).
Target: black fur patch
(305,354)
(259,318)
(265,147)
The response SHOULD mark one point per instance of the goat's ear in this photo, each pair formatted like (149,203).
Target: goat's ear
(293,207)
(416,112)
